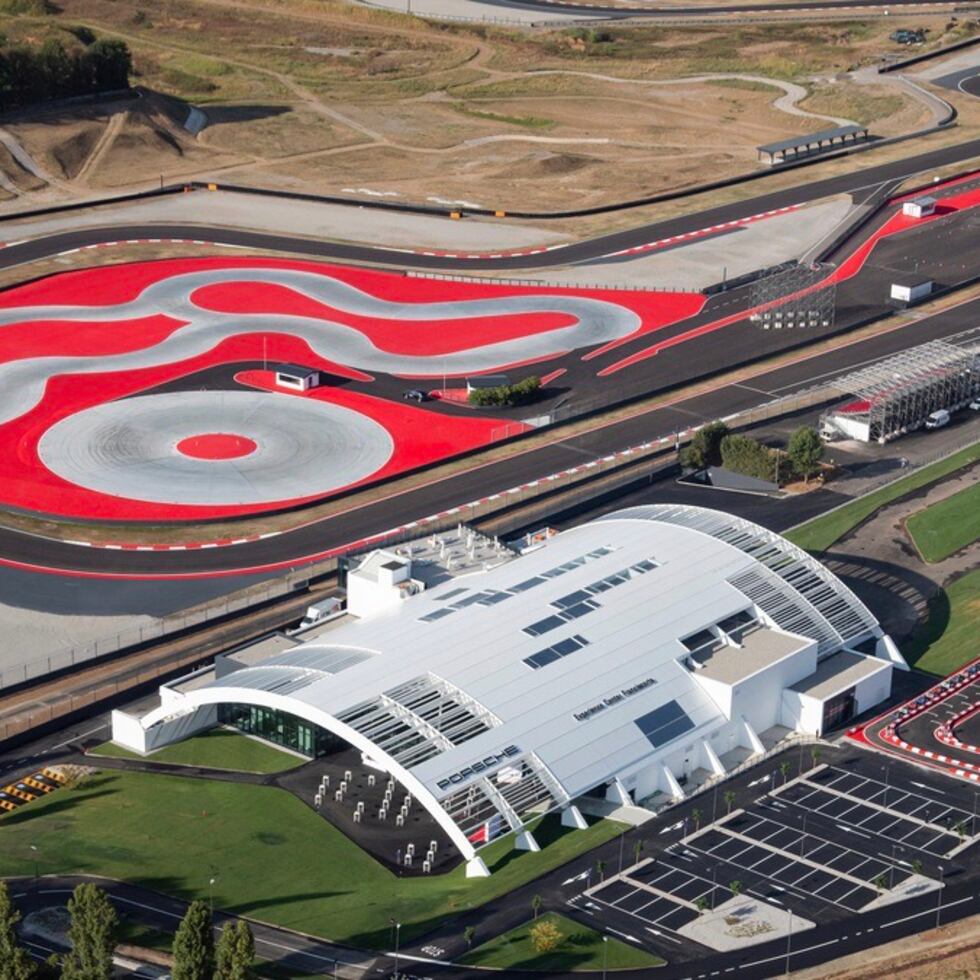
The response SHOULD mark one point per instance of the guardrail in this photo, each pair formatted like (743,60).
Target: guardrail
(929,55)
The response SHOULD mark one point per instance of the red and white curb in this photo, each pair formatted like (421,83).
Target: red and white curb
(946,733)
(704,232)
(459,511)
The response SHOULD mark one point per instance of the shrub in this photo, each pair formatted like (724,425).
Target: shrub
(507,395)
(705,446)
(545,936)
(740,454)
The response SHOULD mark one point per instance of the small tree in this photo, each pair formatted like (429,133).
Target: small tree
(729,800)
(92,935)
(815,756)
(545,936)
(469,934)
(742,454)
(735,887)
(696,817)
(805,449)
(637,848)
(15,964)
(704,447)
(536,904)
(881,882)
(917,867)
(235,951)
(600,867)
(193,947)
(702,903)
(784,768)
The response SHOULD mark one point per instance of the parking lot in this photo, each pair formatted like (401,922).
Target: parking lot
(841,838)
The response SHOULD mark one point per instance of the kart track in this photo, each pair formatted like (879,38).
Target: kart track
(939,729)
(133,392)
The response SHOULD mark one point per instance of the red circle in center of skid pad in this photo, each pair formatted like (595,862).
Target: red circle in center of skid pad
(216,445)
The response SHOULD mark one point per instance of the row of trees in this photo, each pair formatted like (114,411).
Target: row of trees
(516,394)
(715,445)
(93,938)
(29,75)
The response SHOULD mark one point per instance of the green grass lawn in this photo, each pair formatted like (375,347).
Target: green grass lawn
(943,528)
(272,856)
(949,639)
(820,533)
(580,949)
(219,748)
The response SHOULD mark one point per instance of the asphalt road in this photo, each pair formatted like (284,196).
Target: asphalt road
(850,183)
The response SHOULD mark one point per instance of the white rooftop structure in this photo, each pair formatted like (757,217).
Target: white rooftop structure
(621,655)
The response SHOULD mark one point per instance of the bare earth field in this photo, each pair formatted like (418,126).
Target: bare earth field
(331,97)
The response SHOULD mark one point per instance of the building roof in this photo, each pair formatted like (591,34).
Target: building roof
(760,648)
(793,142)
(566,662)
(838,673)
(296,370)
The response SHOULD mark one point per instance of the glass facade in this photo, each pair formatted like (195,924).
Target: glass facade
(281,728)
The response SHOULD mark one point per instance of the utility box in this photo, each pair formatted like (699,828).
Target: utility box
(920,207)
(912,293)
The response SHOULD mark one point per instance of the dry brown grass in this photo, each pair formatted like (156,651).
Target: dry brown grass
(322,95)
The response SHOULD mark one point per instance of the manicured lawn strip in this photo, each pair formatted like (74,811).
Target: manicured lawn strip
(219,748)
(949,638)
(943,528)
(580,949)
(273,857)
(820,533)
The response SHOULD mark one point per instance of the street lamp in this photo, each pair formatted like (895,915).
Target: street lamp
(605,951)
(34,849)
(789,940)
(398,932)
(939,901)
(211,882)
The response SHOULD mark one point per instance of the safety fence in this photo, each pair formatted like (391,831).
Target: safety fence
(548,283)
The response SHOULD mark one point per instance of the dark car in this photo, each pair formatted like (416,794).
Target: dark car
(414,395)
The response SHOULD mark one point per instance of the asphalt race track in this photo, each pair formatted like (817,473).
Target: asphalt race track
(859,183)
(685,344)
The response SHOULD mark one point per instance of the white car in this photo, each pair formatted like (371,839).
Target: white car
(975,405)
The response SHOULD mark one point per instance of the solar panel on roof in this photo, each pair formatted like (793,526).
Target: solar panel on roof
(449,595)
(664,724)
(571,599)
(528,583)
(436,614)
(544,625)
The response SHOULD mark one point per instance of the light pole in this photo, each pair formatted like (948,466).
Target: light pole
(939,900)
(605,950)
(398,934)
(211,893)
(622,842)
(34,850)
(789,940)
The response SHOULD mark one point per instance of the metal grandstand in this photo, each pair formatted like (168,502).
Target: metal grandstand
(896,395)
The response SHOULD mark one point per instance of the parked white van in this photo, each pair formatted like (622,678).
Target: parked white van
(938,419)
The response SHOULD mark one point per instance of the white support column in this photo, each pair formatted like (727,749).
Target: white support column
(755,743)
(714,763)
(676,790)
(525,841)
(571,816)
(616,793)
(477,868)
(886,649)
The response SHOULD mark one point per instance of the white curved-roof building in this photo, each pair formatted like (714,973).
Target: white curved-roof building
(625,654)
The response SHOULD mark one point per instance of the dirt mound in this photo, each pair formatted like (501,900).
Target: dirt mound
(22,179)
(144,137)
(69,155)
(546,164)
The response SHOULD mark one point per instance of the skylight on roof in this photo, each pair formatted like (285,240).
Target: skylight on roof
(664,724)
(556,651)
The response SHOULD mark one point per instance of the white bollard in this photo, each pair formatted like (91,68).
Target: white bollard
(318,800)
(343,786)
(360,807)
(410,849)
(408,860)
(347,775)
(382,814)
(357,816)
(338,795)
(426,867)
(399,820)
(370,779)
(433,846)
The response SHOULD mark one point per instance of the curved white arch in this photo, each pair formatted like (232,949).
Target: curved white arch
(228,694)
